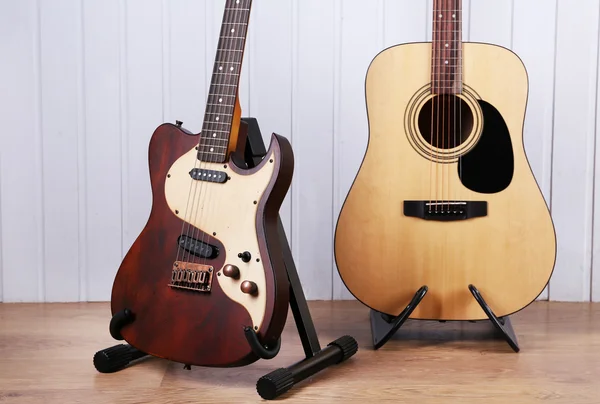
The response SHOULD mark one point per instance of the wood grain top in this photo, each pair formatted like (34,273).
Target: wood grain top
(46,357)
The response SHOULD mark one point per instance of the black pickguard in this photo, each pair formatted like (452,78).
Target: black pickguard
(488,168)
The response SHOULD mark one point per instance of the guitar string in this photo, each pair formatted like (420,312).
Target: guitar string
(437,117)
(219,87)
(226,76)
(459,76)
(448,98)
(445,97)
(198,165)
(433,85)
(455,98)
(198,161)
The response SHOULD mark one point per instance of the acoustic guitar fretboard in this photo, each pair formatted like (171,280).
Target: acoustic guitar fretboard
(446,58)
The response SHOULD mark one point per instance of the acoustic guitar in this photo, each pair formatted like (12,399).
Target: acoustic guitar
(207,265)
(445,196)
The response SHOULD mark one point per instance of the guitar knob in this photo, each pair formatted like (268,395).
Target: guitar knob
(245,256)
(231,271)
(249,288)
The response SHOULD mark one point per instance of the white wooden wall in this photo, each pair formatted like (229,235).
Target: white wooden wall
(83,84)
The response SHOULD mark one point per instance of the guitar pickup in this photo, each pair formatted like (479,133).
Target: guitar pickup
(198,248)
(201,174)
(446,210)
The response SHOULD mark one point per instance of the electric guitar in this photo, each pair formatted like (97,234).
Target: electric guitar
(445,196)
(206,266)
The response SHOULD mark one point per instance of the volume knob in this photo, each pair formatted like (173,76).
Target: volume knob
(231,271)
(249,287)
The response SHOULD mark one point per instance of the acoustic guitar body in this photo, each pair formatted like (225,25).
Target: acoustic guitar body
(451,211)
(174,319)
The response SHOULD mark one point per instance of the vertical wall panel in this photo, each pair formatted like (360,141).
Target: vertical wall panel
(103,165)
(270,68)
(405,21)
(595,274)
(186,64)
(358,48)
(21,170)
(87,83)
(491,22)
(1,244)
(535,46)
(144,108)
(312,193)
(60,109)
(574,130)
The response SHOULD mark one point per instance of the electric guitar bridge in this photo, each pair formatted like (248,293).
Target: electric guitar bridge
(191,276)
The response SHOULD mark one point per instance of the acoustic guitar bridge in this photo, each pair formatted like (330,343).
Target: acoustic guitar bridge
(445,210)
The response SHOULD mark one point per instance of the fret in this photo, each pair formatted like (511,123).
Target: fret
(216,127)
(217,114)
(220,105)
(212,128)
(213,147)
(213,157)
(213,139)
(214,87)
(209,152)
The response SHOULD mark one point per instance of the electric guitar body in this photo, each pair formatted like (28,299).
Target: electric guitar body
(207,263)
(445,196)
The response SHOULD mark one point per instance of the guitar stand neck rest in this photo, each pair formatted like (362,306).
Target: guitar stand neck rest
(279,381)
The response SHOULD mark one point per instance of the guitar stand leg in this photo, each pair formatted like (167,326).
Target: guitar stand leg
(383,326)
(117,357)
(281,380)
(502,324)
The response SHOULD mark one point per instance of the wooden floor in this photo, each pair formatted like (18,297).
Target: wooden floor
(46,352)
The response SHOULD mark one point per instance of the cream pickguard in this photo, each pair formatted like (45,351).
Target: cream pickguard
(229,210)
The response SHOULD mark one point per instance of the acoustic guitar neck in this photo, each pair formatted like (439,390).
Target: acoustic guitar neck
(447,56)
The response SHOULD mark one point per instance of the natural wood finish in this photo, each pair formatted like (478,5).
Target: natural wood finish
(237,137)
(46,357)
(206,328)
(383,256)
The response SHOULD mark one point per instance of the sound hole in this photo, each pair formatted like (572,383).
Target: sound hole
(445,121)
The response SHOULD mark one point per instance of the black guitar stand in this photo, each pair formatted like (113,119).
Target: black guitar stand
(279,381)
(383,326)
